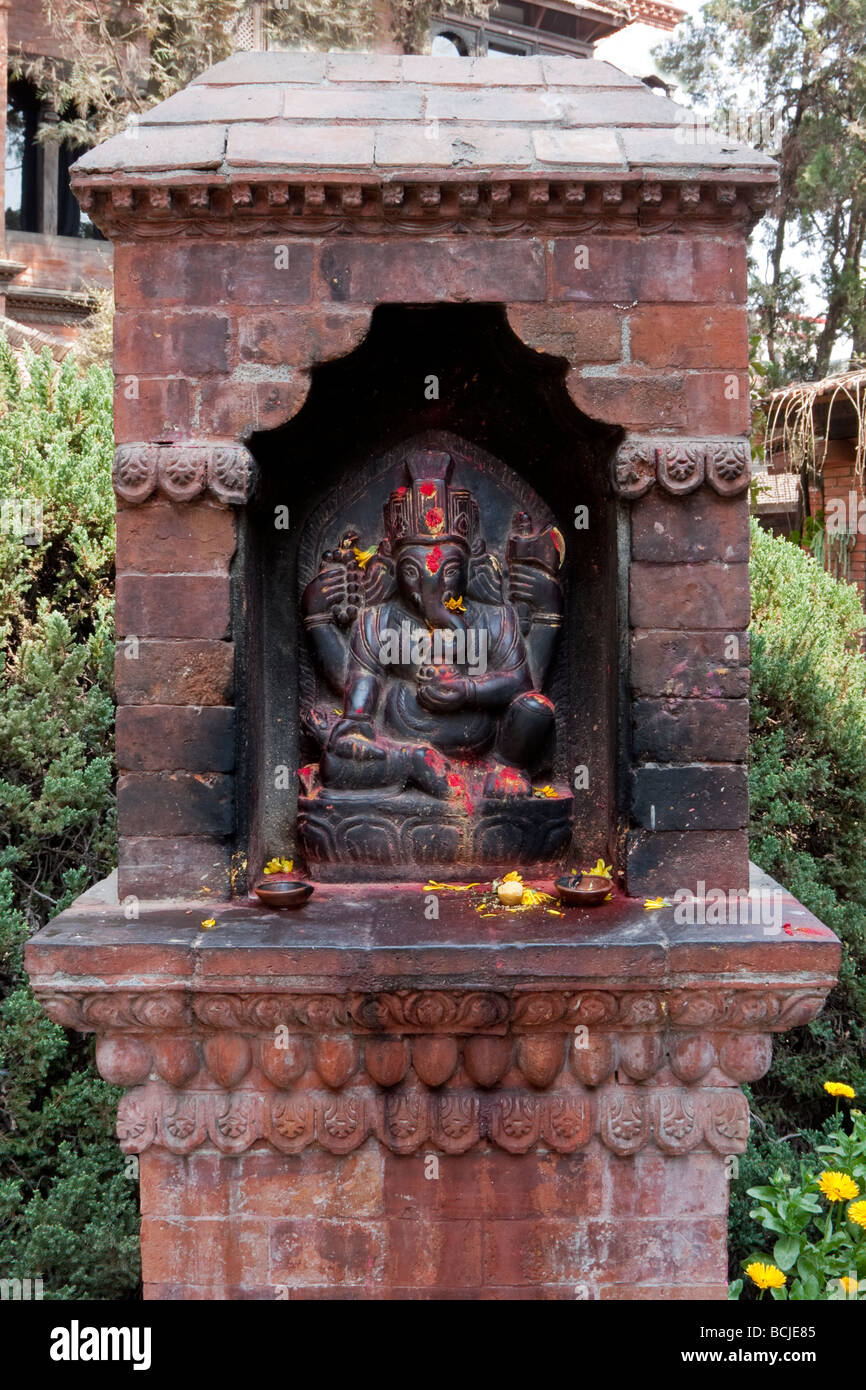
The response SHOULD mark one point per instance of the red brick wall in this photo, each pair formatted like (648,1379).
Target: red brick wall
(215,339)
(29,32)
(60,263)
(839,482)
(490,1225)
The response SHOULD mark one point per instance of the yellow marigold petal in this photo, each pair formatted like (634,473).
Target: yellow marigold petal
(839,1088)
(857,1214)
(653,903)
(208,923)
(765,1276)
(838,1187)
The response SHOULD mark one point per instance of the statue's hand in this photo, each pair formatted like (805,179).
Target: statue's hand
(534,586)
(337,591)
(440,691)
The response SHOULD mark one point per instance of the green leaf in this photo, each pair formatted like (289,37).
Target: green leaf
(785,1252)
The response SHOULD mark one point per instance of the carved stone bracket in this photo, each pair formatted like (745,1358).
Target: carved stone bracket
(183,472)
(261,206)
(679,466)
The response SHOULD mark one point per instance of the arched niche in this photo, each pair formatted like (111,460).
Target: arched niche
(454,377)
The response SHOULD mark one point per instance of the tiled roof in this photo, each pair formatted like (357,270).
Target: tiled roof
(315,115)
(775,490)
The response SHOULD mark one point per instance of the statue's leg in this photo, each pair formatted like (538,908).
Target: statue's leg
(526,731)
(432,773)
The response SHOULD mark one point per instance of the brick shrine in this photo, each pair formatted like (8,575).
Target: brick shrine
(301,242)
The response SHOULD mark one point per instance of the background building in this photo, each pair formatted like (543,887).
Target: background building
(52,258)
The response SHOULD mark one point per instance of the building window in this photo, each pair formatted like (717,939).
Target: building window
(39,197)
(23,159)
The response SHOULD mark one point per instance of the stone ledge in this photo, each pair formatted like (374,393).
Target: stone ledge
(371,939)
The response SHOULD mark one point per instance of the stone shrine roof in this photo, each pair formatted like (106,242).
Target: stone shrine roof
(387,116)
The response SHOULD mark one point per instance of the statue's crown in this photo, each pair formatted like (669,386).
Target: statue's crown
(427,510)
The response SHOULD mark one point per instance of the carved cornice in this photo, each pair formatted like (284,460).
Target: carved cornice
(446,1068)
(775,1007)
(679,466)
(183,472)
(624,1118)
(271,206)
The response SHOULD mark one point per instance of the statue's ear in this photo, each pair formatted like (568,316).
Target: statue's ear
(485,579)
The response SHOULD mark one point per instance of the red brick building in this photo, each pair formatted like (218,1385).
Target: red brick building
(817,437)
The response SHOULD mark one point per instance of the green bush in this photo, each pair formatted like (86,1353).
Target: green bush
(808,821)
(68,1212)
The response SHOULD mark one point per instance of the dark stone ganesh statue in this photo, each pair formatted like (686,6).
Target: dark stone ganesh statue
(434,734)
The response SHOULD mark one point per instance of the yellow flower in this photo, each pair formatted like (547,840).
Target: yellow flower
(765,1276)
(546,791)
(363,557)
(838,1187)
(653,903)
(455,605)
(838,1088)
(601,870)
(435,887)
(848,1283)
(279,866)
(208,923)
(857,1214)
(533,897)
(513,877)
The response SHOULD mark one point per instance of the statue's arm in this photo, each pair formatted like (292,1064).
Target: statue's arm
(328,604)
(508,673)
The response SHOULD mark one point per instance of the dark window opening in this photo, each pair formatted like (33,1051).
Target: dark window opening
(23,159)
(39,197)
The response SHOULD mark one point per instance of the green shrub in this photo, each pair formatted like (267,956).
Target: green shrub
(67,1210)
(808,800)
(808,820)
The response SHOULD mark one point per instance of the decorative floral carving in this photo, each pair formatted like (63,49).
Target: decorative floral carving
(231,473)
(626,1119)
(184,471)
(134,471)
(729,465)
(634,468)
(434,1013)
(681,465)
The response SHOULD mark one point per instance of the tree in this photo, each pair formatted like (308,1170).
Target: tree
(806,63)
(119,58)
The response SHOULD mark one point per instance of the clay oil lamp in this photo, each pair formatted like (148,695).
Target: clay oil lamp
(589,888)
(278,889)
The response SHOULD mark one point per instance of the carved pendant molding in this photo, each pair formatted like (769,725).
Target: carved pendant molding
(450,1069)
(184,472)
(626,1119)
(680,466)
